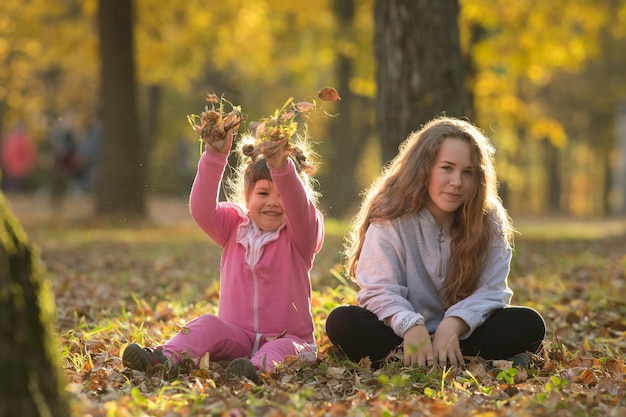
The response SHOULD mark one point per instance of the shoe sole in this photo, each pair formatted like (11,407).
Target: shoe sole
(134,357)
(242,367)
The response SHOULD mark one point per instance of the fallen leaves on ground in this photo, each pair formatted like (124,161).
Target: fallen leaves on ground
(114,288)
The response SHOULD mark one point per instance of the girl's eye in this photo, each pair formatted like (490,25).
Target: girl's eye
(468,173)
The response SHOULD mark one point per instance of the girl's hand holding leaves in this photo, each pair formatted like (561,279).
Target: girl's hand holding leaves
(272,136)
(217,124)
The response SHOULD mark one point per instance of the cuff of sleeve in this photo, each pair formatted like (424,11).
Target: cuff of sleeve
(289,165)
(403,321)
(211,156)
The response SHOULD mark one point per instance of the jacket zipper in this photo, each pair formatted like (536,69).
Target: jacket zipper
(255,284)
(255,305)
(440,239)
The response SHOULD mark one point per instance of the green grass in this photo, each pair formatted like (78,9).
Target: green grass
(573,229)
(117,285)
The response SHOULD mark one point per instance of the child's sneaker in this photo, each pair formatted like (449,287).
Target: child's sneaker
(241,367)
(140,359)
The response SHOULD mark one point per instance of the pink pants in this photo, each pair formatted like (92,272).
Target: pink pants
(225,341)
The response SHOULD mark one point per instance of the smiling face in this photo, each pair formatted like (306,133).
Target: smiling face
(265,206)
(451,180)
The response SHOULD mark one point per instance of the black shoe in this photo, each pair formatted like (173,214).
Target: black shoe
(140,359)
(243,367)
(522,360)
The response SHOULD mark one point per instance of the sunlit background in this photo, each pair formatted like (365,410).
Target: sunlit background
(548,82)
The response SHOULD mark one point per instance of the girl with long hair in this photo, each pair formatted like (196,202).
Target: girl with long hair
(431,249)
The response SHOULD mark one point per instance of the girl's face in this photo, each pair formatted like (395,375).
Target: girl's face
(265,206)
(451,180)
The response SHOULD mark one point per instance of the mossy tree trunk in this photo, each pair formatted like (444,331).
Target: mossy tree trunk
(30,382)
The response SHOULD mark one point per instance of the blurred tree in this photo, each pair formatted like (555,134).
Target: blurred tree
(32,385)
(518,50)
(348,129)
(513,54)
(13,54)
(589,112)
(122,181)
(420,67)
(48,61)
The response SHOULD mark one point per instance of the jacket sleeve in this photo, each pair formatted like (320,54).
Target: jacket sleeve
(305,223)
(493,291)
(381,275)
(216,219)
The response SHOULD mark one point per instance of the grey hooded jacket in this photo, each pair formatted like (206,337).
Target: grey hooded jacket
(403,266)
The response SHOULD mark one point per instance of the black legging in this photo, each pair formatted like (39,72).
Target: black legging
(507,332)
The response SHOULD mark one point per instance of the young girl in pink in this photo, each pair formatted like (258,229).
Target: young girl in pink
(269,242)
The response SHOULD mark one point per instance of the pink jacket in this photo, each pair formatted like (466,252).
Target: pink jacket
(264,277)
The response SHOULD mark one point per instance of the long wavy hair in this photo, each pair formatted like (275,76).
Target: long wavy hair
(402,188)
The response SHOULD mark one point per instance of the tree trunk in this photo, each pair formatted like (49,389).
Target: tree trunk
(617,199)
(29,356)
(340,188)
(420,71)
(476,35)
(122,184)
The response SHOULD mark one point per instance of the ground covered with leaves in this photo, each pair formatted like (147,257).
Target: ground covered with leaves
(117,284)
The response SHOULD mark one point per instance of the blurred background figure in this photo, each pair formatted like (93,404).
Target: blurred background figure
(65,160)
(18,158)
(88,157)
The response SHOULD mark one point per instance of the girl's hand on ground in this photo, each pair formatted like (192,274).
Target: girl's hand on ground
(417,347)
(446,343)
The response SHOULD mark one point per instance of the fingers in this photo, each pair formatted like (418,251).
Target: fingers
(459,358)
(446,341)
(450,356)
(443,350)
(422,357)
(428,360)
(418,348)
(429,357)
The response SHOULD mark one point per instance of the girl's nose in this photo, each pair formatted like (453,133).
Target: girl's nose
(274,200)
(455,180)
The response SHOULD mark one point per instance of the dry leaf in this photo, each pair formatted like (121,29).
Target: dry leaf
(585,376)
(204,362)
(329,94)
(335,372)
(212,98)
(304,106)
(503,364)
